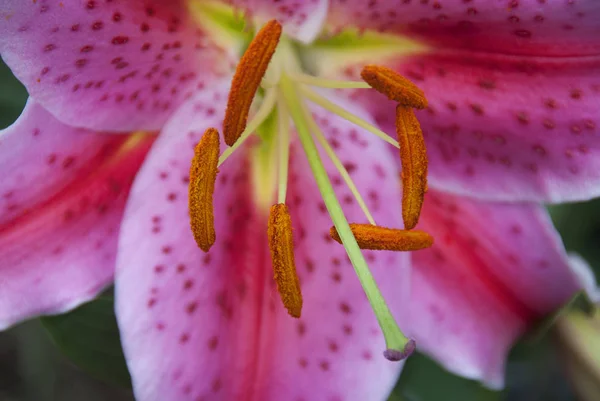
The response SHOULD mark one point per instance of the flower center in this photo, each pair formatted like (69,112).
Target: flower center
(269,75)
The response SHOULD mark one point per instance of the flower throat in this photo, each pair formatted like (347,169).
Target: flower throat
(270,64)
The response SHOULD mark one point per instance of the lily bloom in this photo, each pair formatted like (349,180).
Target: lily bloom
(199,325)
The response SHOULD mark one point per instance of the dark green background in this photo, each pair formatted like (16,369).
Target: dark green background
(37,366)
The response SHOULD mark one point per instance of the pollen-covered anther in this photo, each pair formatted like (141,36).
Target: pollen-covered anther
(394,86)
(281,244)
(379,238)
(247,77)
(413,157)
(203,176)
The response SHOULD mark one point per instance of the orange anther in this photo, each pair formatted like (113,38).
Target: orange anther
(281,244)
(394,86)
(247,77)
(413,157)
(386,239)
(203,175)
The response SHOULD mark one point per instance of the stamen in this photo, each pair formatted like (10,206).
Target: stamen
(203,175)
(386,239)
(281,244)
(413,157)
(327,83)
(261,115)
(283,121)
(247,77)
(394,86)
(314,127)
(346,115)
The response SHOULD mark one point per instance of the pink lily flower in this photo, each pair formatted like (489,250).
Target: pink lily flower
(198,325)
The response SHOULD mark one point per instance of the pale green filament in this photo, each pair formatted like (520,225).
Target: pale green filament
(328,83)
(283,122)
(263,163)
(394,338)
(261,115)
(335,109)
(314,127)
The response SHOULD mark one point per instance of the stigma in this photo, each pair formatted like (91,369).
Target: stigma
(269,76)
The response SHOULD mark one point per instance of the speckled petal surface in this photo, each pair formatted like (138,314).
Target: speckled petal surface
(507,128)
(302,20)
(494,270)
(61,204)
(529,27)
(185,314)
(107,65)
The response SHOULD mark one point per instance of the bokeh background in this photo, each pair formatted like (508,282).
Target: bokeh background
(77,356)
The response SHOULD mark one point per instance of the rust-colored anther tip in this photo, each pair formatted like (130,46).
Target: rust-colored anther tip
(386,239)
(203,176)
(394,86)
(413,157)
(247,77)
(281,243)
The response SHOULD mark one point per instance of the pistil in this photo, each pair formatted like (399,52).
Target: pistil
(395,340)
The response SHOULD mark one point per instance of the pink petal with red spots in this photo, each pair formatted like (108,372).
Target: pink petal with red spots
(211,326)
(540,27)
(494,270)
(117,66)
(507,128)
(302,20)
(61,199)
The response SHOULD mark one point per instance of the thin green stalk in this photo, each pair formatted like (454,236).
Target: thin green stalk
(395,339)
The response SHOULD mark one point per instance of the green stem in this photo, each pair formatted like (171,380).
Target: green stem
(395,340)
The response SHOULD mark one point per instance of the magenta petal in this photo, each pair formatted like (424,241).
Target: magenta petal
(302,20)
(211,326)
(508,128)
(494,270)
(116,66)
(539,27)
(61,199)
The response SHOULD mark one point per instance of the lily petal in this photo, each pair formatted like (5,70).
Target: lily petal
(302,20)
(494,270)
(110,66)
(508,128)
(62,198)
(529,27)
(185,314)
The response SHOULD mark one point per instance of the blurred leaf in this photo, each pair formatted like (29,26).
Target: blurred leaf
(89,337)
(12,96)
(579,226)
(424,380)
(534,373)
